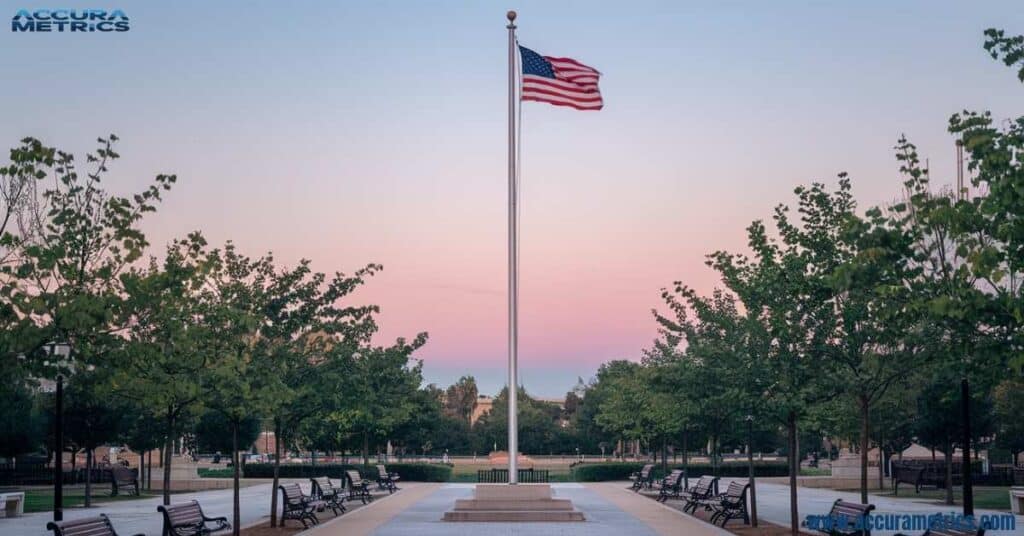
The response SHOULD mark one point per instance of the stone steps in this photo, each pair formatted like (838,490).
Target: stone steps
(550,504)
(517,504)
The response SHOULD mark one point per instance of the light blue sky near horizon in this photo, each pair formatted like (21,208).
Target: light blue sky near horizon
(356,132)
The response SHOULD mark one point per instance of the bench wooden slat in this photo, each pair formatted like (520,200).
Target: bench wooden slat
(91,526)
(188,518)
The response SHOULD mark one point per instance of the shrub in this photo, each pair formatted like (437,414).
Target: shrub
(409,472)
(598,472)
(209,472)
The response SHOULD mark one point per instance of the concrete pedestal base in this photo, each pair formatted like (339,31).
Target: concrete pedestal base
(1017,500)
(518,503)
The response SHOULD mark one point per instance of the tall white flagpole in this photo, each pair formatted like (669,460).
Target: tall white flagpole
(513,265)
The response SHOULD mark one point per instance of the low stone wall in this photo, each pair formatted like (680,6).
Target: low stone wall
(830,482)
(203,484)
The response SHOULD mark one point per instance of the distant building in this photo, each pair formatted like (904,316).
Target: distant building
(484,404)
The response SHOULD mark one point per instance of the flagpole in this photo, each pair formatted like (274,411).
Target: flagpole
(513,265)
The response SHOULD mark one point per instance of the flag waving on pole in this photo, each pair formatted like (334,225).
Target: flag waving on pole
(559,81)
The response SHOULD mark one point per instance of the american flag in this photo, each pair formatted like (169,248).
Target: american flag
(559,81)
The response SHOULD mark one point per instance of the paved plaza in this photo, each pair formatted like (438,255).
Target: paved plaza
(416,510)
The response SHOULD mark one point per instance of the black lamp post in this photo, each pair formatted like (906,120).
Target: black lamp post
(750,461)
(58,452)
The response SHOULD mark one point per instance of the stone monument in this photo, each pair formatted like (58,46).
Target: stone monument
(513,503)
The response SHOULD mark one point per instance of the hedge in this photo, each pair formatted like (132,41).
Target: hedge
(599,472)
(409,472)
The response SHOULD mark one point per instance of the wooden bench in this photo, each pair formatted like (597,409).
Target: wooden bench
(13,503)
(188,519)
(386,480)
(671,486)
(703,490)
(730,505)
(642,478)
(358,487)
(844,519)
(90,526)
(333,497)
(908,474)
(123,481)
(299,506)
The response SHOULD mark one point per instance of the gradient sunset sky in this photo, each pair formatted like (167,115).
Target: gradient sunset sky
(358,132)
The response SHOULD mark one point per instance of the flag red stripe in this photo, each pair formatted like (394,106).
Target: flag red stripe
(559,84)
(578,98)
(560,103)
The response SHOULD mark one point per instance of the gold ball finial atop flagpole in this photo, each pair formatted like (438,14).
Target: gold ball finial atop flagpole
(511,16)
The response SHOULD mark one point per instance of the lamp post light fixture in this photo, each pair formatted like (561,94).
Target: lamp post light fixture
(58,451)
(750,461)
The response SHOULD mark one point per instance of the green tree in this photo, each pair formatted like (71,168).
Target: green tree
(950,294)
(589,433)
(22,425)
(76,242)
(91,419)
(303,338)
(460,398)
(539,426)
(1009,407)
(142,433)
(163,364)
(209,431)
(377,398)
(865,264)
(240,385)
(780,291)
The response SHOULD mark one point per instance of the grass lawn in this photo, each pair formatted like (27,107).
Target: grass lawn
(989,497)
(41,500)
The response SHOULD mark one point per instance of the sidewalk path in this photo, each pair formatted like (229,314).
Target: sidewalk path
(773,505)
(367,519)
(609,508)
(140,516)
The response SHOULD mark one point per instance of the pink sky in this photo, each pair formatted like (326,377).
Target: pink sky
(374,132)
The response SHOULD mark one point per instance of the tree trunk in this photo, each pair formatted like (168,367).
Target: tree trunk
(664,455)
(88,477)
(965,404)
(881,466)
(949,471)
(168,447)
(715,455)
(865,430)
(686,464)
(794,468)
(366,448)
(236,509)
(149,473)
(277,469)
(142,471)
(750,462)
